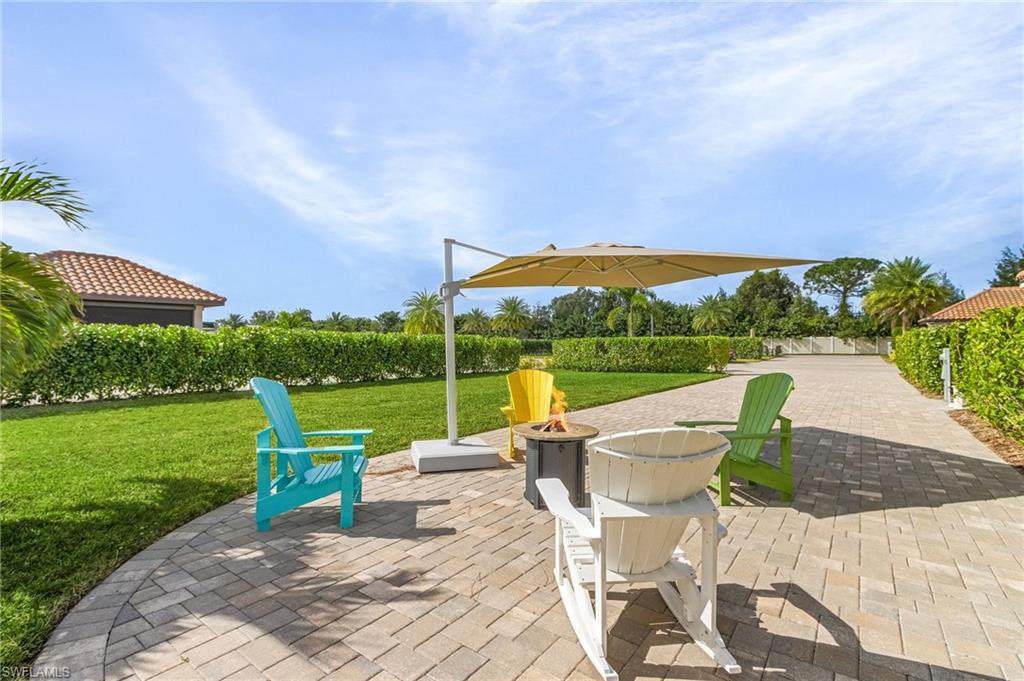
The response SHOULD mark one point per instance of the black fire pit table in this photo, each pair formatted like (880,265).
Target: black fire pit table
(556,454)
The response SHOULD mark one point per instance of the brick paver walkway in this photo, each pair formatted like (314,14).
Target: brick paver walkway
(901,557)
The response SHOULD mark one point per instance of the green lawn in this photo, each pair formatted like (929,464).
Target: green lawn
(87,486)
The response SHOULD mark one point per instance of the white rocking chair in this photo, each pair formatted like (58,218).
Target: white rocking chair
(645,487)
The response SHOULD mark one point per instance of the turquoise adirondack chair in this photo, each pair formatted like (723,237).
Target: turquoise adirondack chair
(761,408)
(298,480)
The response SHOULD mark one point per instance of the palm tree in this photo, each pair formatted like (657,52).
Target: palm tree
(713,314)
(36,304)
(637,304)
(335,321)
(299,319)
(232,321)
(262,317)
(904,290)
(513,315)
(476,321)
(423,313)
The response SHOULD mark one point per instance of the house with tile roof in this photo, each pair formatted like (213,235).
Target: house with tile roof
(969,308)
(115,290)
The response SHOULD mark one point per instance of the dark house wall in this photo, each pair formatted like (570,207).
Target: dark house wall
(164,315)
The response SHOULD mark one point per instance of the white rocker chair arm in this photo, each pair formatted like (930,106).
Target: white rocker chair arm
(556,496)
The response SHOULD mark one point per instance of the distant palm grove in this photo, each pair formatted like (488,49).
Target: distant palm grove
(894,295)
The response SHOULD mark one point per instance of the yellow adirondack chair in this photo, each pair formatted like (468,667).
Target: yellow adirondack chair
(530,396)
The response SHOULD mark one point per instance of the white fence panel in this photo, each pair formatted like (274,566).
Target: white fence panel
(827,345)
(800,346)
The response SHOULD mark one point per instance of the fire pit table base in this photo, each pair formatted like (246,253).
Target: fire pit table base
(566,461)
(560,455)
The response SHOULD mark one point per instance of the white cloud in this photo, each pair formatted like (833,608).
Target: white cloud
(956,235)
(686,94)
(34,228)
(928,93)
(407,191)
(936,86)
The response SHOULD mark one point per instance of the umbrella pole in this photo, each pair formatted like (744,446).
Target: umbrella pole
(448,291)
(451,453)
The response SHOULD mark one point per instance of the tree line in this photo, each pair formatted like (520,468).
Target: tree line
(895,295)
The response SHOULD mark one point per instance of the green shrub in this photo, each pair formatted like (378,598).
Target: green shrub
(918,354)
(746,347)
(986,361)
(536,346)
(109,360)
(991,375)
(683,354)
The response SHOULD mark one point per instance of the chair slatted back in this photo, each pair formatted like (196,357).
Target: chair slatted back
(530,391)
(762,403)
(651,467)
(277,406)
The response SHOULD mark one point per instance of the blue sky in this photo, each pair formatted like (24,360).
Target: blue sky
(314,155)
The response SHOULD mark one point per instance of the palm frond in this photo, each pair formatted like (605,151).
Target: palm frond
(613,316)
(36,305)
(28,182)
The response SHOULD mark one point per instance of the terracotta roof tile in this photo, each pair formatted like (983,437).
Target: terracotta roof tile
(109,277)
(1001,296)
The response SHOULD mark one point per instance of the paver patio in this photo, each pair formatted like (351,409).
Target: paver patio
(900,557)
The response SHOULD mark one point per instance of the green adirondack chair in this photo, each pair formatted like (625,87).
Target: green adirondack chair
(298,480)
(761,408)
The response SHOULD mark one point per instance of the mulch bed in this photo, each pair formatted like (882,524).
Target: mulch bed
(1011,451)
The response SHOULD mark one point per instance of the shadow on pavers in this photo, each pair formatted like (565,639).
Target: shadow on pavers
(838,473)
(762,654)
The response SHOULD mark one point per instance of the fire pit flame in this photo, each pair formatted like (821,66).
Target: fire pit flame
(557,422)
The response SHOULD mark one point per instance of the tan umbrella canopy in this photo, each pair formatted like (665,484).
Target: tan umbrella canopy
(615,265)
(604,265)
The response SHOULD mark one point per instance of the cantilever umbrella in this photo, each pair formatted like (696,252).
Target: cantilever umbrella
(602,264)
(615,265)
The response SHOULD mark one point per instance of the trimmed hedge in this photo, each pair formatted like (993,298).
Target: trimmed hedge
(536,346)
(987,363)
(681,354)
(991,370)
(111,360)
(917,353)
(746,347)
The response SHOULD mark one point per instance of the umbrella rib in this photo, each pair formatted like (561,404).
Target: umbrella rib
(621,264)
(508,270)
(688,269)
(564,277)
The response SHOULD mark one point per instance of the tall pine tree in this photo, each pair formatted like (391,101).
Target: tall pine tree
(1007,267)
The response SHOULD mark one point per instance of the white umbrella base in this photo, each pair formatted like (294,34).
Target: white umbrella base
(435,456)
